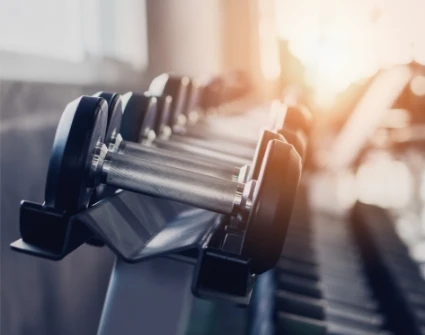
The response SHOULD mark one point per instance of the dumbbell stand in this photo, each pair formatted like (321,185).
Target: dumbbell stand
(158,244)
(151,297)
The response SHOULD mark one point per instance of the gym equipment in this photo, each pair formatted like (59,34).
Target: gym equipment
(264,205)
(395,277)
(319,285)
(142,103)
(178,90)
(215,256)
(134,127)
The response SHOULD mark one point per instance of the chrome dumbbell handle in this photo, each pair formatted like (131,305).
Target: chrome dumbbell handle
(141,176)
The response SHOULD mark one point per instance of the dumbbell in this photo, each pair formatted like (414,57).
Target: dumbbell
(288,323)
(80,162)
(114,142)
(144,108)
(332,312)
(206,97)
(319,261)
(297,119)
(301,119)
(140,118)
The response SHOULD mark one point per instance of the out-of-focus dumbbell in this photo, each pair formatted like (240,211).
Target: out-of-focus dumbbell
(320,261)
(297,121)
(136,127)
(329,311)
(395,276)
(138,122)
(80,162)
(115,143)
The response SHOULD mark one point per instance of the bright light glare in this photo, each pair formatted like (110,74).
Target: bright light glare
(384,182)
(341,42)
(269,51)
(417,85)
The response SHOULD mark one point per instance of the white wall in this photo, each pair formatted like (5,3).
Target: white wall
(185,36)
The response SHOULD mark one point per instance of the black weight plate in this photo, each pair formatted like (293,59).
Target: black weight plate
(82,125)
(163,113)
(297,117)
(139,113)
(272,206)
(114,114)
(297,139)
(193,97)
(176,87)
(265,137)
(212,93)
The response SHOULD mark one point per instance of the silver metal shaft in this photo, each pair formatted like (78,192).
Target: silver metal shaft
(204,153)
(166,157)
(221,146)
(142,176)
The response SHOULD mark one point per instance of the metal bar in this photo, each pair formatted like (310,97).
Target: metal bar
(150,298)
(141,176)
(167,157)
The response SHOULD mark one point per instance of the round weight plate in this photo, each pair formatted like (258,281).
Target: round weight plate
(298,117)
(163,113)
(81,127)
(297,139)
(114,114)
(139,113)
(265,137)
(212,93)
(272,206)
(176,87)
(193,97)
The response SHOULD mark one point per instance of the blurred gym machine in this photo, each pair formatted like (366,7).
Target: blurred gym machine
(184,206)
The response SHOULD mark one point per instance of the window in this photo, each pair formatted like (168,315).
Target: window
(72,40)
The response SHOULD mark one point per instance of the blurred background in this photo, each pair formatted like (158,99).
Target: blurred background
(360,65)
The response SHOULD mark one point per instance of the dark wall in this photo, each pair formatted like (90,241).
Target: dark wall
(40,296)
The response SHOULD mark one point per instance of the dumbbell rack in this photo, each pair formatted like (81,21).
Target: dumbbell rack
(153,237)
(320,285)
(393,274)
(340,275)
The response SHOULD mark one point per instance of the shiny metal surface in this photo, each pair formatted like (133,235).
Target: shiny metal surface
(138,227)
(166,157)
(242,176)
(142,176)
(247,197)
(208,154)
(216,144)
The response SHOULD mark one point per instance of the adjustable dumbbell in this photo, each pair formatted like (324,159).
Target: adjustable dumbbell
(114,142)
(80,162)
